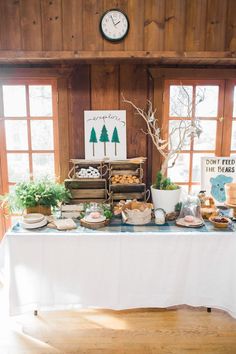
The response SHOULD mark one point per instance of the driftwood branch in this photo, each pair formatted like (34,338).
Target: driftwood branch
(187,128)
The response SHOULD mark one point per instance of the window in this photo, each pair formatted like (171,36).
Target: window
(200,100)
(28,131)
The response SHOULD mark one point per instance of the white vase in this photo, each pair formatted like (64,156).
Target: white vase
(165,199)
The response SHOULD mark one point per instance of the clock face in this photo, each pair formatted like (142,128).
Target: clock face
(114,25)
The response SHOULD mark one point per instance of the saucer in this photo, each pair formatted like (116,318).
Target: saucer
(35,225)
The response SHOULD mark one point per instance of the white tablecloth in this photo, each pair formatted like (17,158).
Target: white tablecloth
(119,270)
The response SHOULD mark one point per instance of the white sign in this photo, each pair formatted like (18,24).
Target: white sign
(105,134)
(215,173)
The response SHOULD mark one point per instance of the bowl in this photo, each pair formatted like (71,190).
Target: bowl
(220,222)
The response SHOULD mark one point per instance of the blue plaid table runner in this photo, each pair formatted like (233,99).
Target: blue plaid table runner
(117,226)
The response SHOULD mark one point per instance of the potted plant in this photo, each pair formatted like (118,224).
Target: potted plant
(165,194)
(35,197)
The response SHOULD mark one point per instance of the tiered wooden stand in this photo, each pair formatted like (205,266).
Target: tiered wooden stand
(126,191)
(85,190)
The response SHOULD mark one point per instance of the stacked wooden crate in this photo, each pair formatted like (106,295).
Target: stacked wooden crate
(85,190)
(125,181)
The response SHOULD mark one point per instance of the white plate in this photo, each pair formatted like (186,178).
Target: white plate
(197,223)
(35,225)
(89,219)
(33,218)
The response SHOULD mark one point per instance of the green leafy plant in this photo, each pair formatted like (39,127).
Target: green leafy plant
(164,183)
(30,194)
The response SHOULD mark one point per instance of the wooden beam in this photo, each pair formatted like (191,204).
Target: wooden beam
(6,55)
(34,72)
(193,73)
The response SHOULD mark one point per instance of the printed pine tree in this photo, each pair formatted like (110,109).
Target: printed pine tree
(115,139)
(93,139)
(104,138)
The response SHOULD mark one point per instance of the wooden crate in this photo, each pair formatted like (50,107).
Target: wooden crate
(77,164)
(125,168)
(127,191)
(126,196)
(87,190)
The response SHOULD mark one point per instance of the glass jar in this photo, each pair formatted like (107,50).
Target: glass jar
(191,207)
(95,210)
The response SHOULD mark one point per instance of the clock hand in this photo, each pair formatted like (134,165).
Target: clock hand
(116,23)
(112,20)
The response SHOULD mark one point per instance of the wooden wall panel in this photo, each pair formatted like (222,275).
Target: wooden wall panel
(79,101)
(175,25)
(51,24)
(104,86)
(31,28)
(135,12)
(154,25)
(231,26)
(63,127)
(133,85)
(195,25)
(10,18)
(100,87)
(92,11)
(3,35)
(216,24)
(114,4)
(72,24)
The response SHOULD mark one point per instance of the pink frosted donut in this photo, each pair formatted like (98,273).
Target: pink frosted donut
(189,218)
(95,215)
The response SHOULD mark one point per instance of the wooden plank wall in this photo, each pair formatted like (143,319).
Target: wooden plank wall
(99,86)
(155,25)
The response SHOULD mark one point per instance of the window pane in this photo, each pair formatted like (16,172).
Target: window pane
(184,191)
(42,134)
(196,170)
(180,172)
(18,167)
(40,97)
(14,101)
(233,138)
(16,134)
(176,134)
(207,139)
(43,165)
(195,189)
(180,101)
(207,101)
(234,110)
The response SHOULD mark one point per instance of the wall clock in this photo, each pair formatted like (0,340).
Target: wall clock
(114,25)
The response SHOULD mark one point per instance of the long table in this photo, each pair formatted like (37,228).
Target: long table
(119,268)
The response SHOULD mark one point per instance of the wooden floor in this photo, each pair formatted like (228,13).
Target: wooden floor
(185,330)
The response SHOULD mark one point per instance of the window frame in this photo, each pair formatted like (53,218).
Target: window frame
(219,122)
(158,76)
(4,181)
(3,148)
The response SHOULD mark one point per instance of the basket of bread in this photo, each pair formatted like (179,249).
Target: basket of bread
(134,212)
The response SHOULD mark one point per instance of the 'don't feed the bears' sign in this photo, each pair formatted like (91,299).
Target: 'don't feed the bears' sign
(215,173)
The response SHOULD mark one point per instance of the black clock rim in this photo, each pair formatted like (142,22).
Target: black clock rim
(113,39)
